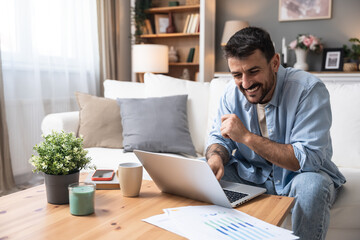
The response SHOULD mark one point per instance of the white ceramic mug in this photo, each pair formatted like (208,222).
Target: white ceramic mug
(130,178)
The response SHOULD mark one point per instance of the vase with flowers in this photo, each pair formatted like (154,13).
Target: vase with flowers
(302,45)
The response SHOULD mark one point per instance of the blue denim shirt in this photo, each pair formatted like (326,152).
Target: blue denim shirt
(299,114)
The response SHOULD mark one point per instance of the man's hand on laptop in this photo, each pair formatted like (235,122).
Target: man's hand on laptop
(216,164)
(217,156)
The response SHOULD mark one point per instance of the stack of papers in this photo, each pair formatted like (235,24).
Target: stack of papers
(215,222)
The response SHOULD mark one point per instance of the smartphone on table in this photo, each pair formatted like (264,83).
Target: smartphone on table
(103,175)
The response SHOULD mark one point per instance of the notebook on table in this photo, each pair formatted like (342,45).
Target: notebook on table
(193,178)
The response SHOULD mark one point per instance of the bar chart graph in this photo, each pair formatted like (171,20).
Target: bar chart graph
(215,222)
(235,228)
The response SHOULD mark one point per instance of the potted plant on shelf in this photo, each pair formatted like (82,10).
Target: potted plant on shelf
(139,17)
(352,55)
(60,157)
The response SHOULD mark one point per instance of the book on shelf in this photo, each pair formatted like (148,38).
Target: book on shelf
(195,22)
(197,29)
(192,23)
(104,185)
(148,27)
(196,54)
(189,23)
(190,55)
(186,23)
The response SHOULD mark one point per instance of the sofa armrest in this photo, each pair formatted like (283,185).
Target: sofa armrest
(67,121)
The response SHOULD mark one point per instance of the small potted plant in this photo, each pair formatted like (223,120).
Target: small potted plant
(60,157)
(139,17)
(352,55)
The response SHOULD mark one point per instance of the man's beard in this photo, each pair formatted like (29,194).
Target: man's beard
(265,91)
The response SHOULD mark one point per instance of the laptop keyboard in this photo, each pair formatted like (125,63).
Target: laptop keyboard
(234,196)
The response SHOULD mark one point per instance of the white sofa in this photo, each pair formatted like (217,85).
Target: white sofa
(203,100)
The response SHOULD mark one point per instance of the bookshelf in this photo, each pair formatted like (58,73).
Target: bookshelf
(203,68)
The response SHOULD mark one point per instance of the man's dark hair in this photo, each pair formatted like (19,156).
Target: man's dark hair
(244,42)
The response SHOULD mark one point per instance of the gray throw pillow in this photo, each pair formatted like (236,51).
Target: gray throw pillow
(156,124)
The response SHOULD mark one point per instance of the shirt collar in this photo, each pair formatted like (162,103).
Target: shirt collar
(278,88)
(280,79)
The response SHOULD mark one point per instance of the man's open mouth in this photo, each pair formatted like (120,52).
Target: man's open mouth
(253,88)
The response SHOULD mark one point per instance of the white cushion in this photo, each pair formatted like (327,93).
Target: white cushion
(345,130)
(217,88)
(157,85)
(120,89)
(345,213)
(67,121)
(342,233)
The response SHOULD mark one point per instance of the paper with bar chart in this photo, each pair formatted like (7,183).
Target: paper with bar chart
(215,222)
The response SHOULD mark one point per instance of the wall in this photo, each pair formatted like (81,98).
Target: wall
(334,32)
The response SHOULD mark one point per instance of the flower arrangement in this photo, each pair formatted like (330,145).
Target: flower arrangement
(60,154)
(306,42)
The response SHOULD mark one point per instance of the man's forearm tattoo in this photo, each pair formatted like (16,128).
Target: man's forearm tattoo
(217,149)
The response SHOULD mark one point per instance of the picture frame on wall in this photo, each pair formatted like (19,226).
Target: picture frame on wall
(333,59)
(297,10)
(161,23)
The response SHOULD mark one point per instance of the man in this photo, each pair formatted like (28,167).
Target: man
(272,130)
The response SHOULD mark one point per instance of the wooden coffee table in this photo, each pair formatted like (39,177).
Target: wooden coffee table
(27,215)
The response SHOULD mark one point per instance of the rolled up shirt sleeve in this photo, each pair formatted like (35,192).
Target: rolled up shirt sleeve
(310,136)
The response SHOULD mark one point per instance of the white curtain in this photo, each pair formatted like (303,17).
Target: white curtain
(49,51)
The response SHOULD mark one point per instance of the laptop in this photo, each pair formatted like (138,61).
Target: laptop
(193,178)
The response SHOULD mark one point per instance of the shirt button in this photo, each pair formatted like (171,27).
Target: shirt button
(271,130)
(277,181)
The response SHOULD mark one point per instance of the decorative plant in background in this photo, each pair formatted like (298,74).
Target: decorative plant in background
(352,54)
(307,42)
(139,17)
(60,154)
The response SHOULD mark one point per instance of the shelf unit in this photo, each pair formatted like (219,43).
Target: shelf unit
(183,64)
(170,35)
(182,42)
(184,8)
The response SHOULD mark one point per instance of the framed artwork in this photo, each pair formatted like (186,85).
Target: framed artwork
(333,59)
(296,10)
(161,23)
